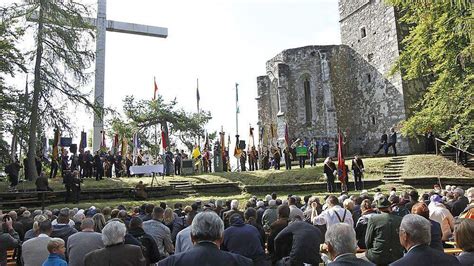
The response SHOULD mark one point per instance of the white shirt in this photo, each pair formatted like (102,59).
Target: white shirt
(438,213)
(329,217)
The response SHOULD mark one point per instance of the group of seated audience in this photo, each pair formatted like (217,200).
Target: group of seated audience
(359,229)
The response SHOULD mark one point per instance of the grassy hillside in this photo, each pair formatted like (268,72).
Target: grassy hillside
(432,165)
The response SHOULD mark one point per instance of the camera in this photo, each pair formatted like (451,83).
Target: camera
(6,217)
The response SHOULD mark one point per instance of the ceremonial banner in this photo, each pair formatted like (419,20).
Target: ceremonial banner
(83,142)
(340,160)
(56,143)
(124,150)
(301,151)
(65,142)
(287,137)
(155,88)
(115,144)
(251,137)
(163,138)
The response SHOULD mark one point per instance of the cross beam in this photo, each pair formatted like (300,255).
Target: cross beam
(103,25)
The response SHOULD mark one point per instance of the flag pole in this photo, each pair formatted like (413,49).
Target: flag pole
(198,109)
(237,111)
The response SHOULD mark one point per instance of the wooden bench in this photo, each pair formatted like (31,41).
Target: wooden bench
(11,259)
(452,251)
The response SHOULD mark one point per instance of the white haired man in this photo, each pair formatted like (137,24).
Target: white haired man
(207,231)
(115,251)
(342,245)
(234,208)
(415,237)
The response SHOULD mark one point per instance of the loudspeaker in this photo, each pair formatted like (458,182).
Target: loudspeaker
(242,145)
(73,148)
(187,167)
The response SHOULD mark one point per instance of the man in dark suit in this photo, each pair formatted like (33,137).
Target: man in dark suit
(115,251)
(341,242)
(207,231)
(304,238)
(415,238)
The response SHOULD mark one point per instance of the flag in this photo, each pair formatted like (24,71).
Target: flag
(56,143)
(196,153)
(287,137)
(136,145)
(163,138)
(260,137)
(198,98)
(206,143)
(251,138)
(124,149)
(102,143)
(237,150)
(83,142)
(115,144)
(237,106)
(155,89)
(340,160)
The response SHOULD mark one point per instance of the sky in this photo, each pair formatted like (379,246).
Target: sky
(220,42)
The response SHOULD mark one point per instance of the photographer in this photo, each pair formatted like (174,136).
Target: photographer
(8,238)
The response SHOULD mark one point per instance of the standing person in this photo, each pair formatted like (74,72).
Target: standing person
(383,144)
(253,159)
(358,170)
(301,156)
(64,161)
(76,187)
(288,157)
(277,157)
(67,181)
(177,163)
(313,151)
(392,141)
(118,164)
(381,238)
(325,147)
(329,172)
(89,164)
(110,161)
(129,163)
(243,160)
(168,161)
(13,171)
(99,166)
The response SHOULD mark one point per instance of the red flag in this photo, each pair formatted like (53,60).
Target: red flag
(163,138)
(287,137)
(155,89)
(341,166)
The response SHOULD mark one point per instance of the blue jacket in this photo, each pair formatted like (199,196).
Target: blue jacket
(243,239)
(54,260)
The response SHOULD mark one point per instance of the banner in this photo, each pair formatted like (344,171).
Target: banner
(124,149)
(301,151)
(56,143)
(287,137)
(341,171)
(65,142)
(83,142)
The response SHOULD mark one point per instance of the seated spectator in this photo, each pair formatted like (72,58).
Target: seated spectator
(361,225)
(269,215)
(250,216)
(32,233)
(303,239)
(9,238)
(150,251)
(99,222)
(63,229)
(160,232)
(464,236)
(56,250)
(183,238)
(469,210)
(441,215)
(332,215)
(381,238)
(341,245)
(294,210)
(115,251)
(421,209)
(207,231)
(413,199)
(81,243)
(276,227)
(415,238)
(460,203)
(243,239)
(234,208)
(35,251)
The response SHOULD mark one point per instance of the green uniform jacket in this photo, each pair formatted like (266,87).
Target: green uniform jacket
(382,240)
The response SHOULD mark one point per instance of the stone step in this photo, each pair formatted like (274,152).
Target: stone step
(187,186)
(178,182)
(393,181)
(392,176)
(188,192)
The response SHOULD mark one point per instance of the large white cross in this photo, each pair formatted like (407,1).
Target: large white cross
(103,25)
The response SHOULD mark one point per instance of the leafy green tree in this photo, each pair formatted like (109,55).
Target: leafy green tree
(438,50)
(143,116)
(62,55)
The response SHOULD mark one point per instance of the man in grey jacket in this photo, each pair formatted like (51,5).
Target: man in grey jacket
(81,243)
(35,251)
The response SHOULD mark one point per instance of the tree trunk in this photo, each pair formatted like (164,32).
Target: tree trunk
(30,169)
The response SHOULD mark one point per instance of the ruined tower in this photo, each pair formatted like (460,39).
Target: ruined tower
(318,90)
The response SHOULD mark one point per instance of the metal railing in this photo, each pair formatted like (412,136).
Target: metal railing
(457,149)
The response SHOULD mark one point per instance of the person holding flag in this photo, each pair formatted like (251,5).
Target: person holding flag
(342,168)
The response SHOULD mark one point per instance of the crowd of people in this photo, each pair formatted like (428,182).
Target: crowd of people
(397,228)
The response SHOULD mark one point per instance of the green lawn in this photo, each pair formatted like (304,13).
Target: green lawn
(432,165)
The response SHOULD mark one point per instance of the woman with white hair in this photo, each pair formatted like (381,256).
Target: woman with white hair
(115,251)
